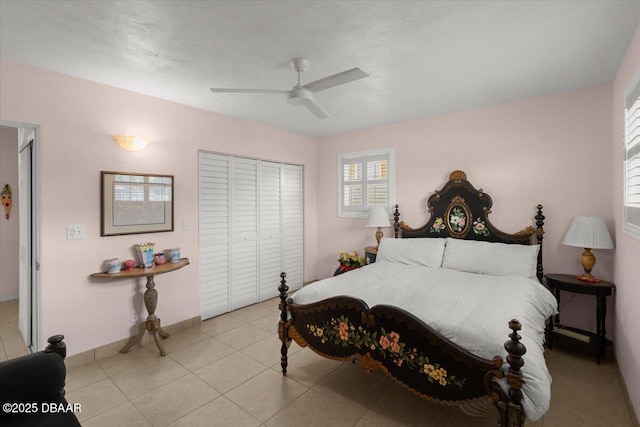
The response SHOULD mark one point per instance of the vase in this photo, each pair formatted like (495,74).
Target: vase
(113,265)
(343,269)
(129,265)
(172,255)
(145,253)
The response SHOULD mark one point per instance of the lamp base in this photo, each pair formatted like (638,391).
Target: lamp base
(588,278)
(379,236)
(588,260)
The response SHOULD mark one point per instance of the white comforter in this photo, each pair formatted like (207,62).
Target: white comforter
(471,310)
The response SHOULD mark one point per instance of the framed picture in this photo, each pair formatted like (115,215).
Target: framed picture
(134,203)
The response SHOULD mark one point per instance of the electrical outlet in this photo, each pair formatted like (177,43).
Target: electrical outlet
(75,232)
(134,316)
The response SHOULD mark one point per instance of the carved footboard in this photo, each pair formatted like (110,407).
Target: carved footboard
(405,349)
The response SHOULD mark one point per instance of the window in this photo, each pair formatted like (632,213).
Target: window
(365,179)
(631,165)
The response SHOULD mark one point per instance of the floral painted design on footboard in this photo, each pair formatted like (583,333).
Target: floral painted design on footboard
(388,345)
(395,341)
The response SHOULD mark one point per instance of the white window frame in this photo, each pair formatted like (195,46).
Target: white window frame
(391,180)
(631,136)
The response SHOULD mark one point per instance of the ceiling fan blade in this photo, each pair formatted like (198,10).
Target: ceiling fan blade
(223,90)
(316,108)
(336,79)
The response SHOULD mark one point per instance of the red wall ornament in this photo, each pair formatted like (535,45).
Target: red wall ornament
(5,195)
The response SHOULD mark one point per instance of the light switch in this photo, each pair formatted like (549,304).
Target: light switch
(75,232)
(185,224)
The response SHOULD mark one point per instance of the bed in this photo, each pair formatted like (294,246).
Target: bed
(434,310)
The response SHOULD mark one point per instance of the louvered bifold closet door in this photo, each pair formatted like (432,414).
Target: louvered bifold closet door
(214,234)
(270,242)
(292,225)
(244,232)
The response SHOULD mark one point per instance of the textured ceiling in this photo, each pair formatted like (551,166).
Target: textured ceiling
(424,57)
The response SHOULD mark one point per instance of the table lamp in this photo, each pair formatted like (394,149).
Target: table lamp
(378,218)
(588,232)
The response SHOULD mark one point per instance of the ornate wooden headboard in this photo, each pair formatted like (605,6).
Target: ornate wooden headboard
(461,211)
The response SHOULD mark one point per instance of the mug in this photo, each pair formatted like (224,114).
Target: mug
(173,255)
(113,265)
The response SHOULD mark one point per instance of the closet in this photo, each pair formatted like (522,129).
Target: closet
(251,229)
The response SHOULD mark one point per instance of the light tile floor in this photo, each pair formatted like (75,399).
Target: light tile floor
(226,372)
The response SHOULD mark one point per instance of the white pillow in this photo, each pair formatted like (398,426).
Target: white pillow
(496,259)
(427,251)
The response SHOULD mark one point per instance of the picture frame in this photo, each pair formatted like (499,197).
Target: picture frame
(135,203)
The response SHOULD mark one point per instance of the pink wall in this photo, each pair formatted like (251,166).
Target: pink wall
(77,119)
(626,267)
(9,229)
(552,150)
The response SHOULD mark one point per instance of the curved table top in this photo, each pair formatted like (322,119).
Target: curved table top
(144,272)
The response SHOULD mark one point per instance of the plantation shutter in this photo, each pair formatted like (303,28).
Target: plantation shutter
(214,224)
(632,162)
(244,232)
(270,242)
(365,182)
(292,229)
(353,184)
(250,230)
(377,183)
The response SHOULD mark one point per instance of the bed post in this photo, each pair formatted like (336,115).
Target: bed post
(539,235)
(56,345)
(512,412)
(282,325)
(396,221)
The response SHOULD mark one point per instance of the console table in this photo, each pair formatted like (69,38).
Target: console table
(569,283)
(152,324)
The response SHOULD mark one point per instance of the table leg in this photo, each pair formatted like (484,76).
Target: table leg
(156,336)
(162,333)
(152,324)
(135,340)
(601,312)
(604,321)
(558,299)
(557,320)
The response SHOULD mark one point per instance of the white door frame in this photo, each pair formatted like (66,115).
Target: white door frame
(31,133)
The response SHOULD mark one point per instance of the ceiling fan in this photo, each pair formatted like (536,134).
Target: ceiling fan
(303,94)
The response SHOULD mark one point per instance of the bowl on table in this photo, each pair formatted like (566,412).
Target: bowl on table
(172,255)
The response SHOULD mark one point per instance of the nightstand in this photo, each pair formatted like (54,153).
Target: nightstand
(569,283)
(370,254)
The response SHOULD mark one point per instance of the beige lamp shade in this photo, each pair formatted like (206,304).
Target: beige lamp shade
(378,218)
(588,232)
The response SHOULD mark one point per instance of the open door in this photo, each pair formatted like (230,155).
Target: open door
(29,228)
(25,304)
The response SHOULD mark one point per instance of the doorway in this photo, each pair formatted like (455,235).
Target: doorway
(28,228)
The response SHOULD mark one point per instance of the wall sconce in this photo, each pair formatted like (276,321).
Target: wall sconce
(131,143)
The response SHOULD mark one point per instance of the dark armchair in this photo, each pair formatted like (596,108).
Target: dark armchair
(32,389)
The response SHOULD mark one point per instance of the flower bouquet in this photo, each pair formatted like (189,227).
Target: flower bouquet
(348,261)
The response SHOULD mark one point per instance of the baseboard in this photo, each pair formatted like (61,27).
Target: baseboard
(9,297)
(90,356)
(627,396)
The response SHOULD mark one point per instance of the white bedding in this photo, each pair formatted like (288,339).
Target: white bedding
(471,310)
